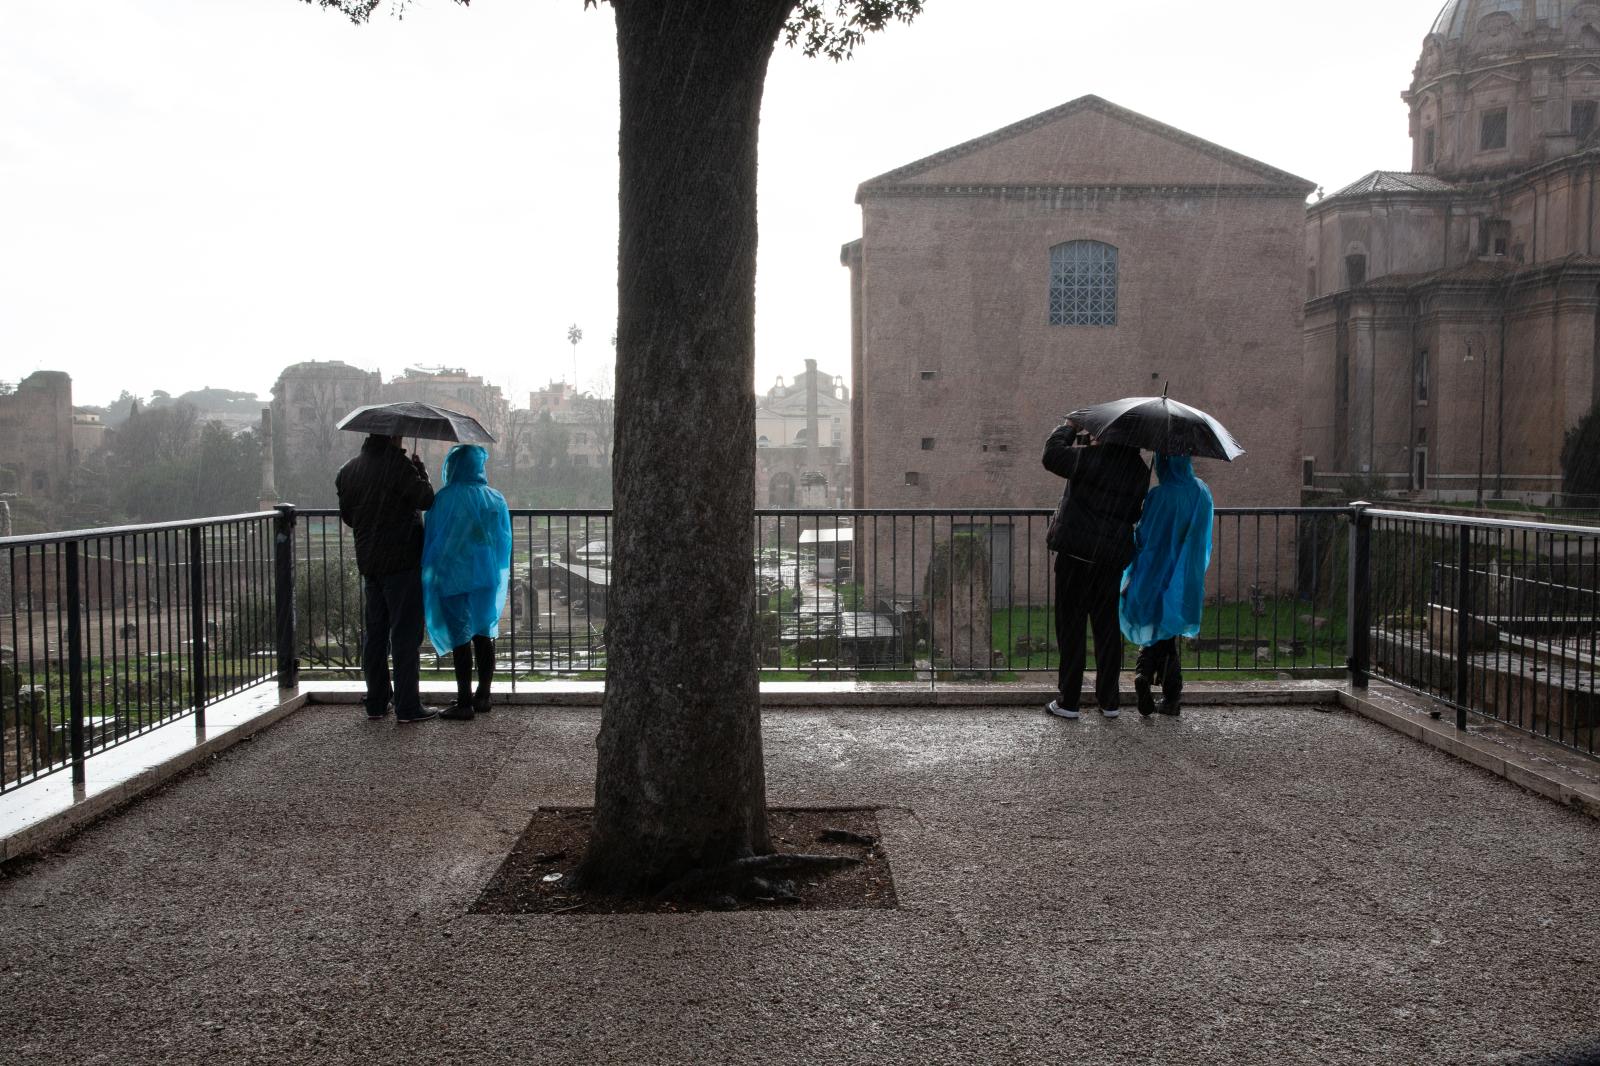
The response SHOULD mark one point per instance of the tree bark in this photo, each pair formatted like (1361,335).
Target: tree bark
(680,783)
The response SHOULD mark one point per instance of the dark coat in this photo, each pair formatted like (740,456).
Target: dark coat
(1107,489)
(382,495)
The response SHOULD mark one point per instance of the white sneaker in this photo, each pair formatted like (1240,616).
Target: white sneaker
(1110,712)
(1060,711)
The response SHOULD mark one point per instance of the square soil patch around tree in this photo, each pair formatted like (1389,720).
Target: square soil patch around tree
(535,878)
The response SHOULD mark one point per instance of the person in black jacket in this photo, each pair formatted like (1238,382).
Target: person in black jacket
(382,495)
(1093,543)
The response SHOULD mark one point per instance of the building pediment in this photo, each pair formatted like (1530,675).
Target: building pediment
(1088,142)
(1491,79)
(1585,69)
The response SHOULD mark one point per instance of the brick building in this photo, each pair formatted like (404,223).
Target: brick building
(37,452)
(88,432)
(1450,328)
(457,390)
(308,400)
(1077,256)
(585,421)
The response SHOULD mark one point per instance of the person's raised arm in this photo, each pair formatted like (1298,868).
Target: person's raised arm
(415,486)
(1061,453)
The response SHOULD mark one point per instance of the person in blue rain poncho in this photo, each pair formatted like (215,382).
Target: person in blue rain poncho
(1163,591)
(466,569)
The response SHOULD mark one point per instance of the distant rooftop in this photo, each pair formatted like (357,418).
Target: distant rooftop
(1392,182)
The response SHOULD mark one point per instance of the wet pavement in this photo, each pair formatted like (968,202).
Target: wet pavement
(1263,884)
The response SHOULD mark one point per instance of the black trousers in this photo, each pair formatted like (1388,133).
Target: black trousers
(1161,662)
(482,649)
(1087,592)
(393,628)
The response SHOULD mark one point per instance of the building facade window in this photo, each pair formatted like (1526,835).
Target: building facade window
(1494,237)
(1429,145)
(1421,376)
(1355,270)
(1583,118)
(1083,284)
(1492,131)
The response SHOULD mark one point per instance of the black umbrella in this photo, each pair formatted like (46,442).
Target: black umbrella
(410,419)
(1158,424)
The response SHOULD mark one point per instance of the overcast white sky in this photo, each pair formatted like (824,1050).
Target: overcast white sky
(199,192)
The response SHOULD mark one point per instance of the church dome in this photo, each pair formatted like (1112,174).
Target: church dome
(1505,84)
(1460,16)
(1503,25)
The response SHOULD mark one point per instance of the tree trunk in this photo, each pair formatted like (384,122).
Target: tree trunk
(680,782)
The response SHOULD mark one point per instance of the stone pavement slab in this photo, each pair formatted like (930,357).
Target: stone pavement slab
(1241,885)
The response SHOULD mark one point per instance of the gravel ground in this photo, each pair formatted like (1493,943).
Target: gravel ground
(1242,885)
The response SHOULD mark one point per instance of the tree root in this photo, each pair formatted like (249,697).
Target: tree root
(846,836)
(752,875)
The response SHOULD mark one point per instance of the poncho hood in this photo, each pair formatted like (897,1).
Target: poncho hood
(1175,469)
(464,464)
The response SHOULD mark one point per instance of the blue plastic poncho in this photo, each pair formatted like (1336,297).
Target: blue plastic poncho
(1163,591)
(466,553)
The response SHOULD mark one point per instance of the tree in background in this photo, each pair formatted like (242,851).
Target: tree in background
(118,410)
(165,464)
(680,788)
(1580,457)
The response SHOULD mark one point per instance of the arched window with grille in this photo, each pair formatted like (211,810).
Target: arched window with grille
(1083,284)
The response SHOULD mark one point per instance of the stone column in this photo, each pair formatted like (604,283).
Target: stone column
(269,487)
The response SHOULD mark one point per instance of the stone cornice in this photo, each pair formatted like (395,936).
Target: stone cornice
(1321,207)
(1448,284)
(1080,192)
(1475,65)
(1468,189)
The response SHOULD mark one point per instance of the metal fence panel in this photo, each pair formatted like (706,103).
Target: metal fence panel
(1490,617)
(107,634)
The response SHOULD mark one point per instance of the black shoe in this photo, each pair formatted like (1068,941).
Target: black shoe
(421,716)
(482,704)
(1170,707)
(458,712)
(1141,689)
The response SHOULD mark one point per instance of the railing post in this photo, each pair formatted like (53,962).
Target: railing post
(75,663)
(1358,614)
(1462,659)
(197,624)
(283,595)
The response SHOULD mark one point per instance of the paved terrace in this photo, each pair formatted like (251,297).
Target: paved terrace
(1247,884)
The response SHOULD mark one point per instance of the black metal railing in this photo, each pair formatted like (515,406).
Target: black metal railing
(883,594)
(106,634)
(1497,618)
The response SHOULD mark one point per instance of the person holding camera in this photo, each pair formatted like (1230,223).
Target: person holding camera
(1093,542)
(382,494)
